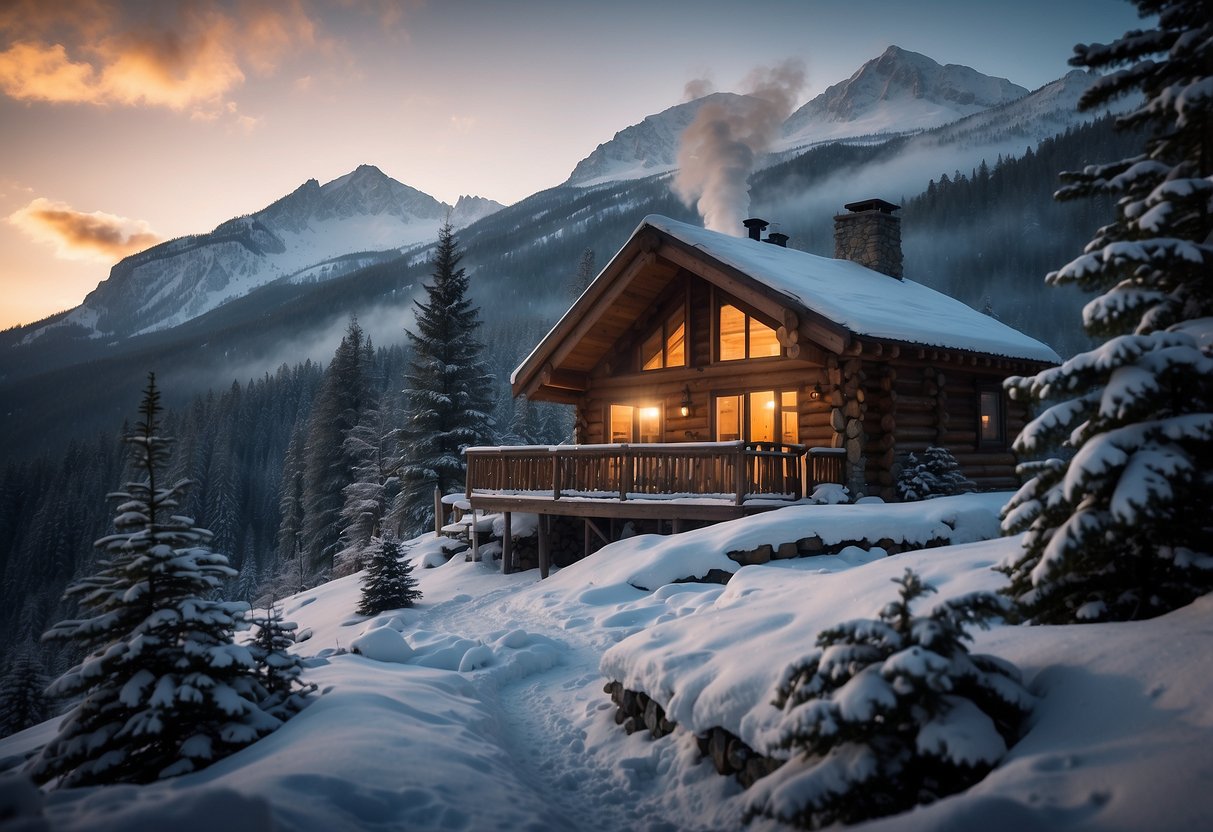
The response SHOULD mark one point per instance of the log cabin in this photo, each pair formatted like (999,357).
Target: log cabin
(715,376)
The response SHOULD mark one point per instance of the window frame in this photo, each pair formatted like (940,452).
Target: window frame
(638,413)
(721,300)
(1001,441)
(664,331)
(745,417)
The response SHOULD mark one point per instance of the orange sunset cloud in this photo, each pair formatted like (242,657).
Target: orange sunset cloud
(77,235)
(189,56)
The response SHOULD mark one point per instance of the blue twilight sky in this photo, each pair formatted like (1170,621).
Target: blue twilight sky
(124,123)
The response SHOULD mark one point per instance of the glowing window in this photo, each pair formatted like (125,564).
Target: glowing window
(676,339)
(790,418)
(728,418)
(622,416)
(760,413)
(651,357)
(666,346)
(762,416)
(635,424)
(763,341)
(740,335)
(732,333)
(991,426)
(650,424)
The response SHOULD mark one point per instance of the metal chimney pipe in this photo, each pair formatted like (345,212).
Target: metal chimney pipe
(755,227)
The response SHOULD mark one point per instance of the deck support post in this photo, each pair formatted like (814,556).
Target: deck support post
(507,546)
(676,525)
(474,534)
(545,554)
(438,518)
(585,537)
(739,476)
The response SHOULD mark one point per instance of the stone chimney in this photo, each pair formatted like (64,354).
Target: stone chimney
(870,235)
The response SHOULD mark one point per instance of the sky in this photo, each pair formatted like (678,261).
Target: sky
(127,123)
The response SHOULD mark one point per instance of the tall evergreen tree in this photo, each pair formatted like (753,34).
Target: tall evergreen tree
(1121,528)
(344,394)
(164,690)
(584,275)
(372,447)
(22,699)
(449,394)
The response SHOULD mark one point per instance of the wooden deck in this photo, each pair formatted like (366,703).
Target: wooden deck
(701,481)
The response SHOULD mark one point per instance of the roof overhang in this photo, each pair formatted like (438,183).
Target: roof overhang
(624,292)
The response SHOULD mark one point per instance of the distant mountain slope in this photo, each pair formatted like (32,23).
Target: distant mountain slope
(364,212)
(643,149)
(897,92)
(1034,117)
(900,91)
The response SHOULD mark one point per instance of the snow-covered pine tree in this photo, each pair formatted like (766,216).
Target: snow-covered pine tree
(388,583)
(22,699)
(891,713)
(372,447)
(1120,527)
(936,474)
(279,670)
(163,689)
(343,396)
(449,393)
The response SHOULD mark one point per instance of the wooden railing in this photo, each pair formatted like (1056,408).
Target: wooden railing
(734,470)
(825,465)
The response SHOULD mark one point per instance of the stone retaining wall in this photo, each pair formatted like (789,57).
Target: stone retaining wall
(637,711)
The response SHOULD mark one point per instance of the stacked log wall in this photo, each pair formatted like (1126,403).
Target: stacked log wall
(936,403)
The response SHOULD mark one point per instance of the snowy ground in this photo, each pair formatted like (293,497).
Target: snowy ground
(483,707)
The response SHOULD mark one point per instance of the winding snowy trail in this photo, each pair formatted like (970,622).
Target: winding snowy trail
(556,723)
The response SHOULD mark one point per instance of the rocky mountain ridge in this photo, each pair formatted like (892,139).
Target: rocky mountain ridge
(364,213)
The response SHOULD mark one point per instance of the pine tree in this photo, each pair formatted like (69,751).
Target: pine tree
(164,690)
(449,394)
(388,583)
(890,713)
(581,279)
(1118,526)
(22,699)
(372,447)
(344,394)
(936,474)
(279,670)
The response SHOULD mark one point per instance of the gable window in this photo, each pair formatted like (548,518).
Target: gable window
(635,424)
(991,427)
(667,345)
(741,335)
(758,416)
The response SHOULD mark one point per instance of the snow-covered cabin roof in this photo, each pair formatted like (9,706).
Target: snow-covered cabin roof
(838,299)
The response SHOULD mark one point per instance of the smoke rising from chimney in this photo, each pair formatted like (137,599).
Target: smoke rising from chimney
(719,149)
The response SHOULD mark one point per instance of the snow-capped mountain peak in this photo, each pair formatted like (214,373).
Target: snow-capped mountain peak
(899,91)
(304,235)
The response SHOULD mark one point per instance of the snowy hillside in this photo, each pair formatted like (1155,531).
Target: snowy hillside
(364,212)
(483,708)
(898,92)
